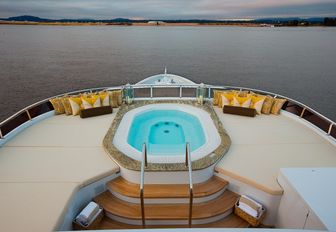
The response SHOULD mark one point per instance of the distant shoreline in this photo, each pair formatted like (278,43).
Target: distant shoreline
(233,24)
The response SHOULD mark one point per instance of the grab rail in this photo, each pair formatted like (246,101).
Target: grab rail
(178,91)
(142,182)
(191,193)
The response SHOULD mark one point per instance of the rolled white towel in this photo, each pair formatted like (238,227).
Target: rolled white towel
(255,202)
(87,213)
(247,209)
(252,203)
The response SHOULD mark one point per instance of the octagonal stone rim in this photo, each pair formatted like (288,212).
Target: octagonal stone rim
(127,163)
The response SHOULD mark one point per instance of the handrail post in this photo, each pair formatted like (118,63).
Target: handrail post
(151,91)
(302,112)
(27,112)
(180,91)
(145,153)
(329,130)
(191,197)
(191,194)
(1,136)
(142,181)
(142,208)
(186,157)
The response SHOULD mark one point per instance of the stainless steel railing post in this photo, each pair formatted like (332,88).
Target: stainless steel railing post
(27,112)
(191,193)
(329,130)
(142,182)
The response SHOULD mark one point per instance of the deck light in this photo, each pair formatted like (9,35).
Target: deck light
(128,94)
(201,93)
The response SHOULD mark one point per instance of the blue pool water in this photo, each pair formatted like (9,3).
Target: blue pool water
(166,132)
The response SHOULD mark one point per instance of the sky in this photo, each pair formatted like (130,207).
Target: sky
(167,9)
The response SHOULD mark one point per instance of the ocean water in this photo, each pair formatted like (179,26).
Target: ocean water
(37,62)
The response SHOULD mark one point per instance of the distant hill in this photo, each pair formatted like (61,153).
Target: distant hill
(284,20)
(28,18)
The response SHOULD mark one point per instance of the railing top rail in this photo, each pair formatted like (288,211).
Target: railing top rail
(143,86)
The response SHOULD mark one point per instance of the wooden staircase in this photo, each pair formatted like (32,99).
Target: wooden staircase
(167,205)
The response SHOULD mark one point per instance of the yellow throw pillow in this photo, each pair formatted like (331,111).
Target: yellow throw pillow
(215,98)
(75,103)
(257,102)
(57,104)
(241,101)
(115,98)
(104,98)
(267,106)
(277,105)
(66,104)
(226,99)
(119,97)
(91,101)
(219,98)
(241,93)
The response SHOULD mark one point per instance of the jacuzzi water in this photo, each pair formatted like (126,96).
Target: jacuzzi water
(166,132)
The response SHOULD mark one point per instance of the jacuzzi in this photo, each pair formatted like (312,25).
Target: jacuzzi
(165,129)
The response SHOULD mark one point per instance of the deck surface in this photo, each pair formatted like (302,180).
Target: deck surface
(42,167)
(264,144)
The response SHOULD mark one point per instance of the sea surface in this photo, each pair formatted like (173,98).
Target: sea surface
(37,62)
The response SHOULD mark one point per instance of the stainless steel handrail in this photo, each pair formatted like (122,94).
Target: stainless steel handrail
(191,192)
(153,86)
(142,183)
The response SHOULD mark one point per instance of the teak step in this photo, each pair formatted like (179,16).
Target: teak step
(231,221)
(215,207)
(123,187)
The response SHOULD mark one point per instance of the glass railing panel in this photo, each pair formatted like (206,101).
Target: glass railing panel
(333,131)
(318,121)
(142,92)
(40,109)
(188,92)
(293,108)
(14,123)
(166,92)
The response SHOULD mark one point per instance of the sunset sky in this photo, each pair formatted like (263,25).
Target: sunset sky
(167,9)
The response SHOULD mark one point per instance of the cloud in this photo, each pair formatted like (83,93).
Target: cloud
(166,9)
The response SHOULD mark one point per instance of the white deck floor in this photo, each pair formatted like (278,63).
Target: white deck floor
(43,166)
(266,143)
